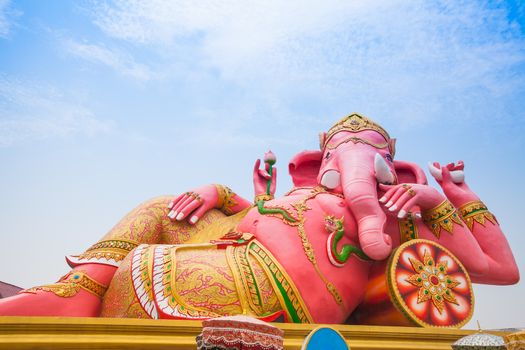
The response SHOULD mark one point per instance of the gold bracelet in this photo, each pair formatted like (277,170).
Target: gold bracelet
(476,211)
(225,201)
(69,285)
(263,197)
(441,217)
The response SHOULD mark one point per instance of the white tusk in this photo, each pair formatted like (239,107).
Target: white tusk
(383,173)
(435,172)
(331,179)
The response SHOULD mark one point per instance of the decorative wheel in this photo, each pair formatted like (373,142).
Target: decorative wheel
(430,285)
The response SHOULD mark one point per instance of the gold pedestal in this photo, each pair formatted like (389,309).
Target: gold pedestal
(112,333)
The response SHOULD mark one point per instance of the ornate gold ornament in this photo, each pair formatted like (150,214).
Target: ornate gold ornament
(355,123)
(69,285)
(407,228)
(433,282)
(476,211)
(225,201)
(441,217)
(263,197)
(195,196)
(409,190)
(113,249)
(283,285)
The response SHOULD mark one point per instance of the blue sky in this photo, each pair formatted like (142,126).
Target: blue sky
(105,104)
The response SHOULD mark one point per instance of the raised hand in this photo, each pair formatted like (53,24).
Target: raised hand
(451,178)
(261,177)
(402,198)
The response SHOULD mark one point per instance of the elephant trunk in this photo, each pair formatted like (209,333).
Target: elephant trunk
(360,192)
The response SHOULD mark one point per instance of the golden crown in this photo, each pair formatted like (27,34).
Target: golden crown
(354,123)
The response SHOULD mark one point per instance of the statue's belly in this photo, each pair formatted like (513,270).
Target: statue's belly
(311,269)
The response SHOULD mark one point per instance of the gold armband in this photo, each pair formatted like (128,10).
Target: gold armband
(476,211)
(225,201)
(263,197)
(70,285)
(441,217)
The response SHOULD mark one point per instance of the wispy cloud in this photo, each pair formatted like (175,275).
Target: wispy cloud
(407,60)
(6,17)
(31,112)
(116,59)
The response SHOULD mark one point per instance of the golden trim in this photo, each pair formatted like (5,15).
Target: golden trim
(244,279)
(396,297)
(355,123)
(60,333)
(407,228)
(225,200)
(69,285)
(263,197)
(441,217)
(237,279)
(355,140)
(476,211)
(111,249)
(273,269)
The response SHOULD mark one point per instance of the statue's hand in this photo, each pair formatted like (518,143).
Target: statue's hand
(451,178)
(193,204)
(402,198)
(261,178)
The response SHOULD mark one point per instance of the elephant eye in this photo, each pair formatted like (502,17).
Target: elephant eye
(327,155)
(389,157)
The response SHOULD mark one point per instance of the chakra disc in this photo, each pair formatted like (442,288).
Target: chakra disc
(430,285)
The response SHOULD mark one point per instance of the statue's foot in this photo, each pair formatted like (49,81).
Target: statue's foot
(43,303)
(76,294)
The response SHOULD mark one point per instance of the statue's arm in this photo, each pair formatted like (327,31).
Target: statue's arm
(481,224)
(479,244)
(192,205)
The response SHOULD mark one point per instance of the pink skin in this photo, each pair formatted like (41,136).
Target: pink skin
(261,177)
(355,162)
(83,304)
(186,206)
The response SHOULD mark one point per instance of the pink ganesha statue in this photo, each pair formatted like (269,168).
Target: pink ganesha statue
(360,238)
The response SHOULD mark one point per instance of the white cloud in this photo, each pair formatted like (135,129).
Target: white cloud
(6,17)
(30,112)
(118,60)
(410,61)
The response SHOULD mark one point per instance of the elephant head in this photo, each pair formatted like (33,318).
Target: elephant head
(356,154)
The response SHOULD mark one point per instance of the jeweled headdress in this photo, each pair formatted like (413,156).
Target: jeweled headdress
(355,123)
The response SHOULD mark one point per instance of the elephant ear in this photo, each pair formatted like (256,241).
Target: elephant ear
(304,168)
(408,172)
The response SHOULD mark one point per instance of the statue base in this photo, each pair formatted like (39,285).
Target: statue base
(115,333)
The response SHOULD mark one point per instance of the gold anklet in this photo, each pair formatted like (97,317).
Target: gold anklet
(69,285)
